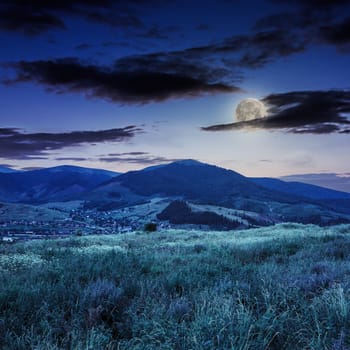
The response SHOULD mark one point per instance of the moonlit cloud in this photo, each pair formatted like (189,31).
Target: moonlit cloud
(304,112)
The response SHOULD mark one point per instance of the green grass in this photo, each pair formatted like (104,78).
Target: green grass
(281,287)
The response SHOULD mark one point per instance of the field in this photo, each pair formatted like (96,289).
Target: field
(280,287)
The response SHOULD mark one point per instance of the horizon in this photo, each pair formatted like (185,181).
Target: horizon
(7,166)
(122,86)
(142,167)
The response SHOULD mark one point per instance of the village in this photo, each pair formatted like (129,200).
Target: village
(78,223)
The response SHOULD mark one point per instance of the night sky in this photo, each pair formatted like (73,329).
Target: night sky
(123,85)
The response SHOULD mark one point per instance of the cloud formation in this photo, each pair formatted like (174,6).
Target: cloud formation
(33,17)
(142,158)
(337,34)
(159,76)
(318,21)
(253,50)
(15,144)
(194,71)
(72,159)
(301,112)
(134,80)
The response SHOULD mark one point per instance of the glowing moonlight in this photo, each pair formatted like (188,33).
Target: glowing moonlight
(250,109)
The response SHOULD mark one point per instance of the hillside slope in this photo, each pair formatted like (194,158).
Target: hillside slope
(51,184)
(200,183)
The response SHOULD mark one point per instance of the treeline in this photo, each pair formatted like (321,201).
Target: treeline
(179,212)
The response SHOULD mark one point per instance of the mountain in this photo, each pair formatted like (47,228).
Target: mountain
(192,180)
(6,170)
(51,184)
(183,192)
(300,189)
(335,200)
(333,181)
(196,183)
(82,170)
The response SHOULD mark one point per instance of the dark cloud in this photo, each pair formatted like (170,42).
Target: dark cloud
(305,112)
(142,158)
(18,19)
(317,129)
(73,159)
(337,34)
(33,17)
(301,24)
(127,154)
(317,21)
(159,76)
(133,80)
(16,144)
(208,69)
(248,51)
(8,131)
(266,46)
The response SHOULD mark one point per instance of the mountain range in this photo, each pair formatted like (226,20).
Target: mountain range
(182,192)
(338,182)
(51,184)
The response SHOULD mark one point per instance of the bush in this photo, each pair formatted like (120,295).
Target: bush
(106,305)
(180,309)
(150,227)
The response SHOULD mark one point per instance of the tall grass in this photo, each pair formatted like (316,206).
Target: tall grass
(281,287)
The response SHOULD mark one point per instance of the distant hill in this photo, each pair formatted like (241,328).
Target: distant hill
(82,170)
(190,180)
(300,189)
(208,195)
(51,184)
(199,183)
(330,180)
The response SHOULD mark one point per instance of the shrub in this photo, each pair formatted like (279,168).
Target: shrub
(106,304)
(101,292)
(150,227)
(180,309)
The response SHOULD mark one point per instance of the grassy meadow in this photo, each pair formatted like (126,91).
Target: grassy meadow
(280,287)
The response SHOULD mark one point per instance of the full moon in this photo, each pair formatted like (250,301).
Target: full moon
(250,109)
